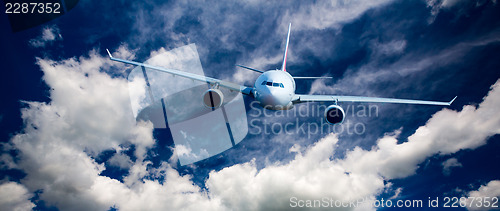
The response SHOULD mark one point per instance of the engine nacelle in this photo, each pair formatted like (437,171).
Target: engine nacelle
(334,114)
(213,98)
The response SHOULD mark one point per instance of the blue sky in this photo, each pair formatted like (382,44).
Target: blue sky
(67,144)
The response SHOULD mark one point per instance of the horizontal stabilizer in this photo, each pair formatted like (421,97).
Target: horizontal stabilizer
(312,77)
(109,53)
(260,71)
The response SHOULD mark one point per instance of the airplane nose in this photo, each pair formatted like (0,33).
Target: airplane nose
(274,92)
(269,97)
(273,97)
(269,100)
(278,98)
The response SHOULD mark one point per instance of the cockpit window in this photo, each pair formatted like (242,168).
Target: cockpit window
(268,83)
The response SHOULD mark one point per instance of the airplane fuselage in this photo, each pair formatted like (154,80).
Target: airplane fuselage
(274,89)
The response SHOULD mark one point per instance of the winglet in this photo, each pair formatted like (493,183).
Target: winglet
(109,53)
(283,67)
(452,100)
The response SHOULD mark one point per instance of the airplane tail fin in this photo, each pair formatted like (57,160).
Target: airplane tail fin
(283,67)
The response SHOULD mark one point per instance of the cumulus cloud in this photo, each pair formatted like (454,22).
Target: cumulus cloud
(89,113)
(120,160)
(484,193)
(310,176)
(7,162)
(445,133)
(15,197)
(49,35)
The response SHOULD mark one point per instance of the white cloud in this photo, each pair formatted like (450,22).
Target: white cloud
(120,160)
(449,164)
(390,48)
(246,76)
(7,162)
(90,112)
(438,5)
(49,35)
(318,15)
(446,132)
(397,193)
(483,194)
(311,175)
(328,14)
(224,24)
(358,80)
(15,197)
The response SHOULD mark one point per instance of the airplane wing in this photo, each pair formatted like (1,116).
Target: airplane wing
(338,98)
(232,86)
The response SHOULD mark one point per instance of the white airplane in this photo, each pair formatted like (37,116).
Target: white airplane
(275,90)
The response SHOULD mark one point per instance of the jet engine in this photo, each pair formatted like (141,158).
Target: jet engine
(334,114)
(213,98)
